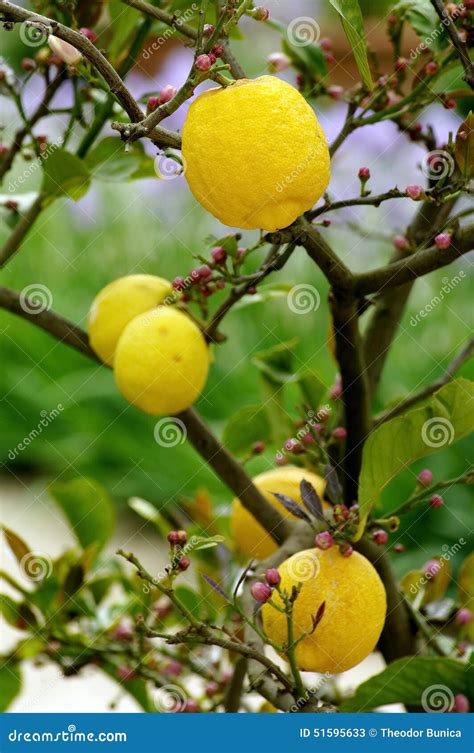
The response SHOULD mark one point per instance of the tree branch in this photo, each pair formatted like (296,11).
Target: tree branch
(198,433)
(464,355)
(418,264)
(160,136)
(20,231)
(458,44)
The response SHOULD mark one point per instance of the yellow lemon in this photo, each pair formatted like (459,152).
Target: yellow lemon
(255,154)
(161,361)
(354,614)
(117,304)
(250,537)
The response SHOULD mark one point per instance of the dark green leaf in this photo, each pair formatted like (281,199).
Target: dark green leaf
(446,417)
(424,20)
(276,363)
(353,24)
(16,544)
(192,601)
(10,683)
(88,508)
(308,59)
(250,424)
(293,507)
(64,174)
(427,682)
(109,162)
(122,22)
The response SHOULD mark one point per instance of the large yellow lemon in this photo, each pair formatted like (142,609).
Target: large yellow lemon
(250,537)
(161,361)
(354,614)
(117,304)
(255,154)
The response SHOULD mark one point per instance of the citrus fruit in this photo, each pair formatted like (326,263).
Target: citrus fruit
(161,361)
(250,537)
(255,154)
(117,304)
(354,615)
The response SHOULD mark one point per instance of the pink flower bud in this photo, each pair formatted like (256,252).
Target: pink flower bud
(173,537)
(401,243)
(436,501)
(346,549)
(431,68)
(272,576)
(68,54)
(217,50)
(399,548)
(212,688)
(442,240)
(122,632)
(28,64)
(463,617)
(261,592)
(208,30)
(401,64)
(89,34)
(258,448)
(152,104)
(307,438)
(380,537)
(190,707)
(167,93)
(203,62)
(432,568)
(3,149)
(277,62)
(323,540)
(461,704)
(281,459)
(414,192)
(184,563)
(219,254)
(364,173)
(326,44)
(339,433)
(125,674)
(261,13)
(163,607)
(173,668)
(425,477)
(335,92)
(179,283)
(336,390)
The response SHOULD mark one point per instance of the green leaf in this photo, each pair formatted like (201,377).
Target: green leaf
(250,424)
(265,293)
(192,601)
(10,683)
(109,162)
(307,59)
(353,24)
(446,417)
(424,20)
(204,542)
(423,682)
(147,511)
(276,363)
(88,508)
(16,544)
(136,688)
(64,174)
(122,22)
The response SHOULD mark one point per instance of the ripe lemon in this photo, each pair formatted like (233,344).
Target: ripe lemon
(354,614)
(255,154)
(161,361)
(250,537)
(117,304)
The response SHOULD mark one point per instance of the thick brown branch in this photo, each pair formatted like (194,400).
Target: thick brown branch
(14,13)
(355,394)
(418,264)
(198,433)
(464,355)
(322,254)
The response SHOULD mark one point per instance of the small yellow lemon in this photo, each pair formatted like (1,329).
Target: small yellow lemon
(255,154)
(161,361)
(354,614)
(117,304)
(250,537)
